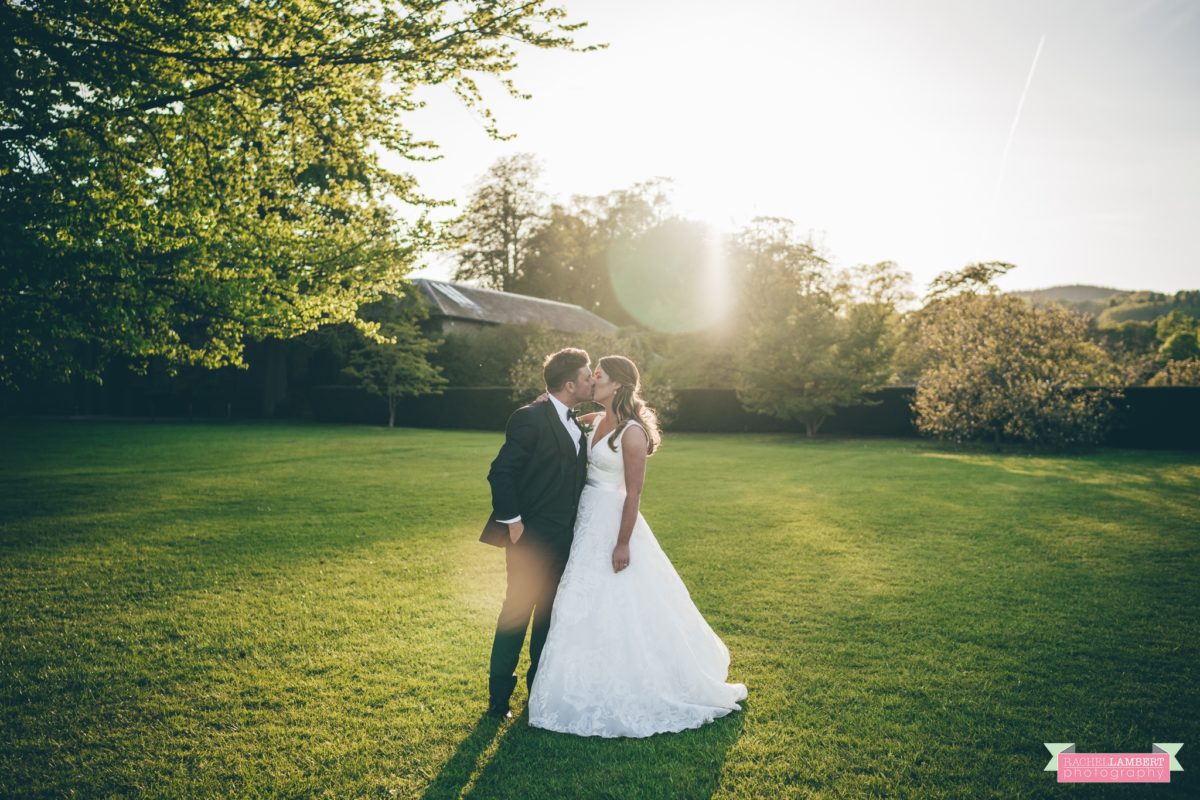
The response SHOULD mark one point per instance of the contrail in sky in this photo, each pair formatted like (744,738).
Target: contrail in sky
(1017,118)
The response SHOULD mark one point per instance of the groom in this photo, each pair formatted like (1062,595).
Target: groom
(536,480)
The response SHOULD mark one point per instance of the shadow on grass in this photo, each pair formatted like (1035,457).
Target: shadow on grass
(457,772)
(533,763)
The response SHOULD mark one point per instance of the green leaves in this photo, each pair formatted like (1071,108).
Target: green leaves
(998,368)
(176,178)
(812,340)
(396,369)
(503,215)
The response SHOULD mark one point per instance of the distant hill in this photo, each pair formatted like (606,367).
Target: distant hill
(1075,293)
(1114,306)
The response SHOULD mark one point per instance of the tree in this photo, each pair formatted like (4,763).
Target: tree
(1000,368)
(1133,345)
(871,297)
(1178,373)
(569,258)
(559,259)
(475,358)
(1180,346)
(178,180)
(1178,336)
(397,369)
(1135,337)
(807,348)
(504,212)
(702,359)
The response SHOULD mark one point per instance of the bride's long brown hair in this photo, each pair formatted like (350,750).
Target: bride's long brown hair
(627,403)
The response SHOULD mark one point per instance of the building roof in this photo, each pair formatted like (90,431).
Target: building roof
(460,301)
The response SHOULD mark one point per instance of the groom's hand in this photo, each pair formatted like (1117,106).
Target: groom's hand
(516,530)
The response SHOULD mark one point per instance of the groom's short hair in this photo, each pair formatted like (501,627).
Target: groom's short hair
(563,366)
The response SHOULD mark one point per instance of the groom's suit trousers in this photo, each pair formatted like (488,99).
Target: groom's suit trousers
(534,565)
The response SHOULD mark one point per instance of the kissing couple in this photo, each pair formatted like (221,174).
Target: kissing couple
(618,648)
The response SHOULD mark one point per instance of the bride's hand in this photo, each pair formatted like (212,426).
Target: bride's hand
(620,557)
(541,397)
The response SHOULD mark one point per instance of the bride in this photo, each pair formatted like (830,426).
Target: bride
(628,653)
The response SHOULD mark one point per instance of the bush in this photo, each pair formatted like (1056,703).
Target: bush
(1178,373)
(1002,369)
(483,358)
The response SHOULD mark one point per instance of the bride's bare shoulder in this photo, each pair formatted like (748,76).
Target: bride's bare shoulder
(640,435)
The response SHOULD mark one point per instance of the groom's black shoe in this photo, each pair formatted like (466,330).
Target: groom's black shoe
(500,689)
(499,712)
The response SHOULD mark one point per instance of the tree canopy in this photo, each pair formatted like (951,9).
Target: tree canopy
(812,340)
(178,176)
(502,216)
(999,368)
(595,251)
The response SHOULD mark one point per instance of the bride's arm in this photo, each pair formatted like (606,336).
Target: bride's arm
(634,450)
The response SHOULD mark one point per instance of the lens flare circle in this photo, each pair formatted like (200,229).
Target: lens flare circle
(672,278)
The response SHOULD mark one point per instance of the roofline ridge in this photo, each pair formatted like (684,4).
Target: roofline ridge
(506,294)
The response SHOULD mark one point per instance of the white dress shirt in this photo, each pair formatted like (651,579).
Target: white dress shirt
(573,431)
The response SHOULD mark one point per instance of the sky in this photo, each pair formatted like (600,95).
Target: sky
(1063,137)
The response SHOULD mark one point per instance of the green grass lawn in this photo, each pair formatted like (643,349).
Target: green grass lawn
(294,611)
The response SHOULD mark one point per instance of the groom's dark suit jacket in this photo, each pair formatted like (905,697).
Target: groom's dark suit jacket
(537,474)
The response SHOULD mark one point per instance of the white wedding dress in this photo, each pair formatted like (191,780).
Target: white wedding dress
(628,653)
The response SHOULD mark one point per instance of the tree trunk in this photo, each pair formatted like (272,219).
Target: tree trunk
(812,425)
(391,412)
(273,353)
